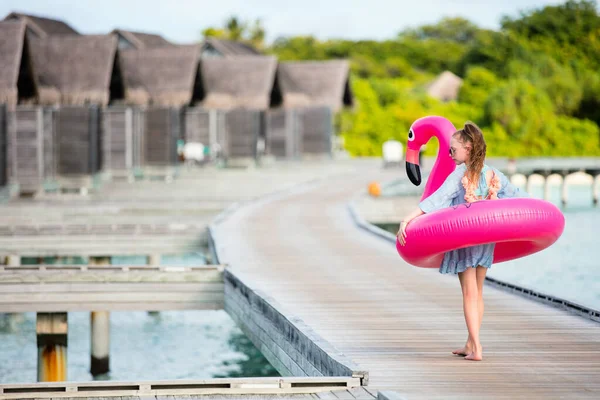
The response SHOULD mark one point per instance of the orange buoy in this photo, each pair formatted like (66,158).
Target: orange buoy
(374,189)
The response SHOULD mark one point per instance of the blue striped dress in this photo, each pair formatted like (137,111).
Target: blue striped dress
(452,193)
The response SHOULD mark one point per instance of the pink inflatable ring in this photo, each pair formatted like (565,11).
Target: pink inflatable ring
(518,226)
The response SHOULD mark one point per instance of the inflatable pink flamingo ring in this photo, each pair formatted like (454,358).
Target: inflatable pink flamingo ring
(518,226)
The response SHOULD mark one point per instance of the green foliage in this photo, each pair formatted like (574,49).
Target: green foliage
(242,31)
(533,86)
(298,48)
(567,23)
(590,103)
(518,106)
(433,55)
(479,82)
(386,109)
(458,30)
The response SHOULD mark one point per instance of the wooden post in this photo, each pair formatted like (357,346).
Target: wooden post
(13,260)
(13,319)
(596,190)
(212,132)
(99,260)
(128,139)
(52,331)
(100,338)
(546,187)
(564,192)
(100,331)
(153,260)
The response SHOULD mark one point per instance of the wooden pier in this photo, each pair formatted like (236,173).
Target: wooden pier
(330,305)
(398,322)
(153,218)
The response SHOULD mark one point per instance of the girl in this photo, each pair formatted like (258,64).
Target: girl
(471,181)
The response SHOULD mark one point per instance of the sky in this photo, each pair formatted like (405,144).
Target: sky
(182,21)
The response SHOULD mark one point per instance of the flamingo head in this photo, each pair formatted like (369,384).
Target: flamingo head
(418,135)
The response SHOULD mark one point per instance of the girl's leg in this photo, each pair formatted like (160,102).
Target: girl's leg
(480,272)
(467,349)
(471,309)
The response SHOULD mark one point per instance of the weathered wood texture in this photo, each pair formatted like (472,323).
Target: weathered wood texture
(186,388)
(162,129)
(291,133)
(396,321)
(32,153)
(99,245)
(289,345)
(98,229)
(122,135)
(317,130)
(242,130)
(78,140)
(142,218)
(3,139)
(283,133)
(109,288)
(203,126)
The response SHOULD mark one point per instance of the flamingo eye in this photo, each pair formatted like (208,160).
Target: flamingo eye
(411,135)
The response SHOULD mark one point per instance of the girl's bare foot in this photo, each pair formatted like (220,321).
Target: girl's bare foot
(464,351)
(467,349)
(476,354)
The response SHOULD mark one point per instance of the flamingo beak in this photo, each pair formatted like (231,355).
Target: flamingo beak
(413,171)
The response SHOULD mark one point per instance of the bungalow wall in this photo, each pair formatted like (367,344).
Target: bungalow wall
(78,140)
(317,130)
(122,135)
(290,133)
(241,132)
(31,151)
(3,134)
(283,133)
(162,128)
(201,125)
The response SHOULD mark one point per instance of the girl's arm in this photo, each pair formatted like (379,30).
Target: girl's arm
(507,189)
(402,229)
(442,198)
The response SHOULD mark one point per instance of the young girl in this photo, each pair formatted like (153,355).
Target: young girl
(471,181)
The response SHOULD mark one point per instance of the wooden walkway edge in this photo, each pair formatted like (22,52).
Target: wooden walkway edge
(290,345)
(186,388)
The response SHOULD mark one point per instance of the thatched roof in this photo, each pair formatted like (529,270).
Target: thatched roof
(73,69)
(226,48)
(232,82)
(160,76)
(42,27)
(315,83)
(12,39)
(139,40)
(445,87)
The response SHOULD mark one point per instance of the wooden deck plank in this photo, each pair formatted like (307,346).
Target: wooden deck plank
(111,288)
(398,322)
(155,217)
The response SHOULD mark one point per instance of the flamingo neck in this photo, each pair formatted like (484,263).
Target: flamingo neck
(443,166)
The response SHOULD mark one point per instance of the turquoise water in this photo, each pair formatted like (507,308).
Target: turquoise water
(570,268)
(143,346)
(167,345)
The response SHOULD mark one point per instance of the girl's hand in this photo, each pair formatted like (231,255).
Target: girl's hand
(401,235)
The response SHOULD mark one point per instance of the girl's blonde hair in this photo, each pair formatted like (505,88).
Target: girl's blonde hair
(471,133)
